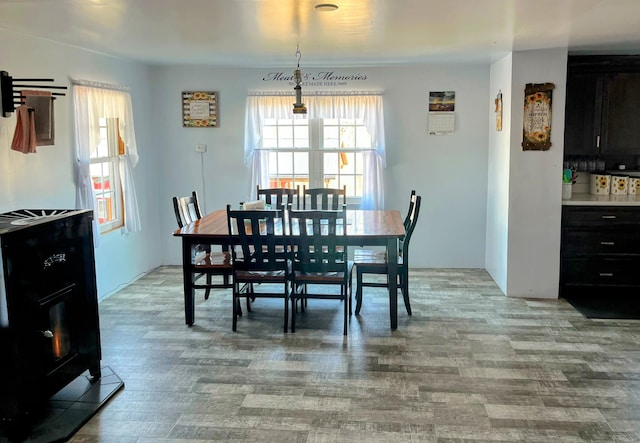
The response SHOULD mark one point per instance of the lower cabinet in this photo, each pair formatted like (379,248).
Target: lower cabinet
(600,248)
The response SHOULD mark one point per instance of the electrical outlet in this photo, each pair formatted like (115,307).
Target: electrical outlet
(201,148)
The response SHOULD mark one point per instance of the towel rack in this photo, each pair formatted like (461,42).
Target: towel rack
(11,98)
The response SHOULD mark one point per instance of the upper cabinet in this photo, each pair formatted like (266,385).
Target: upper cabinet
(602,114)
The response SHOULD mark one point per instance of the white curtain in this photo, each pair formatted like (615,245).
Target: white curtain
(349,106)
(91,101)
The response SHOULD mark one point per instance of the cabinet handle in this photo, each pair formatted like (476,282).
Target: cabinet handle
(607,243)
(609,216)
(606,274)
(598,142)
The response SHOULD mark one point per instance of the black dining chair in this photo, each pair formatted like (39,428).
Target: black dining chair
(375,262)
(324,198)
(278,198)
(261,265)
(318,250)
(205,262)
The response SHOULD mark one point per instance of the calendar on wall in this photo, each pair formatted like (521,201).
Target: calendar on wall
(441,112)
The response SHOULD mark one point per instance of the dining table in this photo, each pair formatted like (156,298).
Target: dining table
(376,227)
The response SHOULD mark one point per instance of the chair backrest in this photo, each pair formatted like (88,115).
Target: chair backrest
(187,209)
(413,219)
(318,240)
(278,198)
(324,198)
(412,202)
(259,234)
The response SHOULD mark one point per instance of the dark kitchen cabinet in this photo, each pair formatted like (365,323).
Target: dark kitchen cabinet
(583,113)
(602,116)
(621,114)
(600,249)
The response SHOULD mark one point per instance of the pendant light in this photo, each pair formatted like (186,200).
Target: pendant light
(298,106)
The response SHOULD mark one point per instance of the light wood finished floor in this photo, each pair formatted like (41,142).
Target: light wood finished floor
(469,365)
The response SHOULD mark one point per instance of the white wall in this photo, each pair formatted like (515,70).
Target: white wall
(498,174)
(535,182)
(450,172)
(460,226)
(46,179)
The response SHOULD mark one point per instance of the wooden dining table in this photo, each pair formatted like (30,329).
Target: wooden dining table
(364,228)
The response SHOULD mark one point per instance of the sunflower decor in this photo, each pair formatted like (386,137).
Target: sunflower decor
(537,117)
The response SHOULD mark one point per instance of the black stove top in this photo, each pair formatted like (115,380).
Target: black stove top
(21,218)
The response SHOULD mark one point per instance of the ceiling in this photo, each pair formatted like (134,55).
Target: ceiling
(261,33)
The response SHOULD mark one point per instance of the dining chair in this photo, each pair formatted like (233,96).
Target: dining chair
(412,202)
(205,262)
(318,248)
(375,262)
(278,198)
(324,198)
(261,265)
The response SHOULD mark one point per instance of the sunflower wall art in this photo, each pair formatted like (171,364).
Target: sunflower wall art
(200,109)
(537,117)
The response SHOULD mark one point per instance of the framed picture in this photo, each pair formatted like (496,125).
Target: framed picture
(199,109)
(536,131)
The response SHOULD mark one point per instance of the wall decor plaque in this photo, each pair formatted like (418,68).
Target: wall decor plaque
(536,134)
(199,109)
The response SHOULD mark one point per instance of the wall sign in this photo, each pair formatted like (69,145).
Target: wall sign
(199,109)
(498,103)
(537,117)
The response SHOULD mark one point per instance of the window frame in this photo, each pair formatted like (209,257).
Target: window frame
(316,148)
(115,148)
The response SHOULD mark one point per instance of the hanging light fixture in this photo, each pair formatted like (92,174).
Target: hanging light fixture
(298,106)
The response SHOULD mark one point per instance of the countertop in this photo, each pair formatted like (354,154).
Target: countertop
(586,199)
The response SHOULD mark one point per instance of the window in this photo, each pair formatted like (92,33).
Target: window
(341,143)
(316,153)
(105,175)
(107,153)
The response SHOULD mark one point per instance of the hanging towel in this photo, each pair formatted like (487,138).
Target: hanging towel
(24,138)
(42,103)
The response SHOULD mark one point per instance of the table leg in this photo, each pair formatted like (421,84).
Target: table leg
(187,277)
(392,275)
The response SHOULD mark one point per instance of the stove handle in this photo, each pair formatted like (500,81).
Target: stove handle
(47,334)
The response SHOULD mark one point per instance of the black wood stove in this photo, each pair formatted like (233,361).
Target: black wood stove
(49,329)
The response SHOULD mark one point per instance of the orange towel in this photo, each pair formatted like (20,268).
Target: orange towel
(24,138)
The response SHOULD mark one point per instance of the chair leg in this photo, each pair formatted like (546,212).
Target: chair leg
(404,284)
(358,291)
(294,306)
(345,307)
(234,322)
(286,312)
(208,290)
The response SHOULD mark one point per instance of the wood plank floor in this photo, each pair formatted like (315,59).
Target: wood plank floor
(469,365)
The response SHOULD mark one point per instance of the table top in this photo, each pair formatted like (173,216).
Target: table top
(361,224)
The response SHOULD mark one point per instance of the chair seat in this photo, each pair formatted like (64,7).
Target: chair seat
(265,276)
(214,260)
(363,257)
(319,277)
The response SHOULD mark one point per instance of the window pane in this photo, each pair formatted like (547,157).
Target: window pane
(331,166)
(331,137)
(285,137)
(301,163)
(301,136)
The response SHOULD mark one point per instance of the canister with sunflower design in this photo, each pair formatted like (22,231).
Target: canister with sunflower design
(634,185)
(619,184)
(599,184)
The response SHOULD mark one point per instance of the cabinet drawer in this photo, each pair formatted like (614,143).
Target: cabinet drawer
(582,242)
(601,271)
(601,216)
